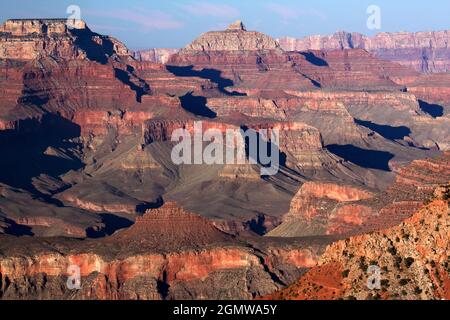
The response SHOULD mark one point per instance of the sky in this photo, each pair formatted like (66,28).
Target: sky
(175,23)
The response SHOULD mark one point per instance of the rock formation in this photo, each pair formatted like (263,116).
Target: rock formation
(29,38)
(234,38)
(191,260)
(156,55)
(89,179)
(426,52)
(412,259)
(331,209)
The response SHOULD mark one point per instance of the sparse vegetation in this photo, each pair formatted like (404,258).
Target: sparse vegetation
(392,250)
(362,264)
(409,261)
(397,263)
(404,282)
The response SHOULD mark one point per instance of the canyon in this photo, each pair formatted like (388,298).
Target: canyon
(88,180)
(426,52)
(412,259)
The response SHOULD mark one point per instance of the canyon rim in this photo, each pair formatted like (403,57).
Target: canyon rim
(345,149)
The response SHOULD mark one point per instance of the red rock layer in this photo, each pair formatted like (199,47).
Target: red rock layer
(433,89)
(424,51)
(155,55)
(29,39)
(326,208)
(248,69)
(412,259)
(353,69)
(167,253)
(171,227)
(162,81)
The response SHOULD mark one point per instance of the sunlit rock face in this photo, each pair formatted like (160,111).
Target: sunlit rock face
(88,177)
(28,39)
(412,259)
(234,38)
(426,52)
(155,55)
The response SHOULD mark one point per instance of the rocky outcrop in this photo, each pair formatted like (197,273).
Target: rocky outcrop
(426,52)
(159,228)
(192,260)
(328,208)
(240,58)
(434,93)
(234,38)
(412,260)
(324,208)
(28,39)
(354,69)
(155,55)
(46,219)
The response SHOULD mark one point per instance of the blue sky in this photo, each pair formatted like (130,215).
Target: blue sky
(174,23)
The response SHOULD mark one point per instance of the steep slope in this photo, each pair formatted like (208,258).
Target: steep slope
(412,258)
(156,55)
(235,56)
(330,208)
(426,52)
(168,254)
(27,39)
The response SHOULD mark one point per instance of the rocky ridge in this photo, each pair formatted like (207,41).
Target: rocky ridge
(426,52)
(412,258)
(87,129)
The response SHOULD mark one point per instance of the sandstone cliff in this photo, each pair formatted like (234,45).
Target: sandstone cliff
(156,55)
(234,38)
(321,208)
(412,258)
(168,254)
(28,39)
(426,52)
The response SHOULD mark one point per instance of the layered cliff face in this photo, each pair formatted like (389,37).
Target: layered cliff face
(355,69)
(324,208)
(156,55)
(235,56)
(29,38)
(404,119)
(192,260)
(426,52)
(47,219)
(412,260)
(434,95)
(331,209)
(235,38)
(87,130)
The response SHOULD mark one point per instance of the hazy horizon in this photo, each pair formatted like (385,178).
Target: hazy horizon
(173,24)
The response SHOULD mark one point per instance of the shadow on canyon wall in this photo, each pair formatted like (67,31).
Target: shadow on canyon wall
(433,110)
(125,78)
(196,105)
(24,150)
(142,208)
(17,230)
(213,75)
(264,148)
(388,132)
(112,224)
(370,159)
(315,60)
(94,51)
